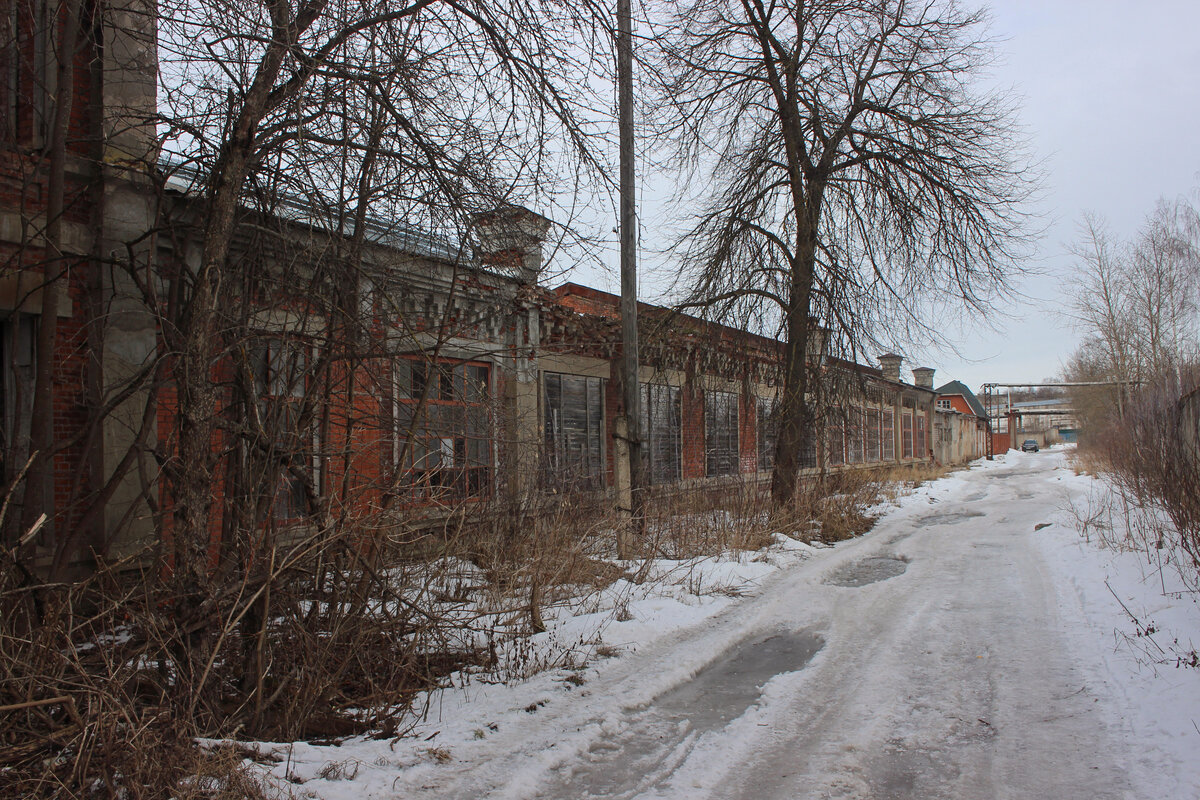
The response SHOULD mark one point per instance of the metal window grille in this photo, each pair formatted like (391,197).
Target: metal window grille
(661,433)
(768,431)
(721,433)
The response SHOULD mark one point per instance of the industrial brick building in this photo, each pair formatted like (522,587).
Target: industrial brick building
(377,381)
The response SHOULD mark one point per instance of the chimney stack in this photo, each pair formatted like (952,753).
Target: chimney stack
(818,340)
(510,240)
(890,364)
(923,377)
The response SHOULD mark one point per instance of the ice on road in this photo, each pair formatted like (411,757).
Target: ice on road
(946,654)
(942,672)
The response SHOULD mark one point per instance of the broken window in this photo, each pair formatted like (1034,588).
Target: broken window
(285,425)
(906,434)
(573,408)
(721,433)
(443,428)
(661,433)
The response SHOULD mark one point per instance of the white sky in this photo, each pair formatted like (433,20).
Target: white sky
(1111,102)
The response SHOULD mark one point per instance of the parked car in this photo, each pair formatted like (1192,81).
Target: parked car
(1029,446)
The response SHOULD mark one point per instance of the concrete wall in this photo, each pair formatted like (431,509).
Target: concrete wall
(957,438)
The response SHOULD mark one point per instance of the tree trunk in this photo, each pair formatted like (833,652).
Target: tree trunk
(196,343)
(795,419)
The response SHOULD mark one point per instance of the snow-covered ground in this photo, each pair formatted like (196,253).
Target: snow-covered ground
(954,651)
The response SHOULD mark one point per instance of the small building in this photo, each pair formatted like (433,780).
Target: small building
(962,425)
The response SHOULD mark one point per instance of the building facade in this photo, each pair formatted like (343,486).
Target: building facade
(373,380)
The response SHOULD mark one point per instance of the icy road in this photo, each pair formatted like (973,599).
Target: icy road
(936,657)
(940,673)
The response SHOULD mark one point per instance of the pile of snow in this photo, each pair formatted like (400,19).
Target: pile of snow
(1143,623)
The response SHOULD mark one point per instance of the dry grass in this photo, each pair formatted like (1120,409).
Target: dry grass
(95,699)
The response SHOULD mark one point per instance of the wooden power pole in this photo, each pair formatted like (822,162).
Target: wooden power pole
(629,323)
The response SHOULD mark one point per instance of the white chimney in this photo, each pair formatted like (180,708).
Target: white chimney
(923,377)
(890,365)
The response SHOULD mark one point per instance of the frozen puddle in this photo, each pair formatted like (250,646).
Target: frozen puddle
(658,739)
(869,570)
(949,518)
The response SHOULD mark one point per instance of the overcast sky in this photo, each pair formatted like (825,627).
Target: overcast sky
(1110,98)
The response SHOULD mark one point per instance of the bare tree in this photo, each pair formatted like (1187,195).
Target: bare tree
(426,112)
(1135,301)
(857,177)
(1101,306)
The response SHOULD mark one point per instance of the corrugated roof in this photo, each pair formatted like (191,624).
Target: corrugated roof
(188,180)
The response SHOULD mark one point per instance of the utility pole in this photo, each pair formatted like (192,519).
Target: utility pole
(629,324)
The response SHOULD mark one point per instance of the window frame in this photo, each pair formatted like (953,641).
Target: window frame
(722,454)
(906,433)
(767,434)
(835,438)
(662,402)
(290,500)
(557,462)
(854,436)
(872,436)
(454,425)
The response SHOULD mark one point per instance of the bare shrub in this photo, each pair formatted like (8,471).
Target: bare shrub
(85,713)
(1152,461)
(325,639)
(691,522)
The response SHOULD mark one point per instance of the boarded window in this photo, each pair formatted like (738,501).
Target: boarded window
(573,407)
(443,429)
(661,429)
(768,430)
(887,434)
(871,435)
(921,447)
(906,434)
(721,433)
